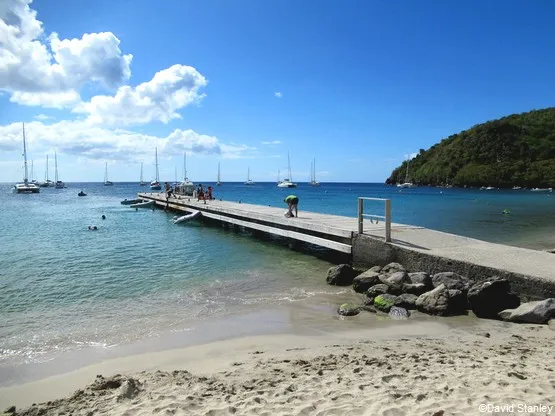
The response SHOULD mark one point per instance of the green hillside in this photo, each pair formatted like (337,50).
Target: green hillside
(518,150)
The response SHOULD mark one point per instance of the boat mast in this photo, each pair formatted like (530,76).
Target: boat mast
(314,171)
(141,172)
(184,166)
(55,166)
(24,156)
(289,168)
(218,172)
(32,170)
(46,179)
(156,157)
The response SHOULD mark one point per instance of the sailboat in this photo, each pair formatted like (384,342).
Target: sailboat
(106,181)
(47,182)
(287,182)
(33,180)
(142,183)
(26,187)
(58,184)
(249,182)
(313,181)
(406,184)
(186,187)
(155,184)
(218,182)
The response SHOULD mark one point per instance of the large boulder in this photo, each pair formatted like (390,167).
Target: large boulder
(365,281)
(421,278)
(416,288)
(392,268)
(396,281)
(538,312)
(489,297)
(406,300)
(441,301)
(451,280)
(377,290)
(342,275)
(398,313)
(384,302)
(348,309)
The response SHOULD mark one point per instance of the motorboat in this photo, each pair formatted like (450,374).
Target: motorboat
(81,194)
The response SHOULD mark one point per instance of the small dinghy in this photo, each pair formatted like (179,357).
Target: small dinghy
(131,201)
(81,194)
(185,218)
(146,204)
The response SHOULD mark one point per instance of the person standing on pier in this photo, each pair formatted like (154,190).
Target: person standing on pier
(292,204)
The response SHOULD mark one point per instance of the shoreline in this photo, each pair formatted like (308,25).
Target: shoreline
(490,361)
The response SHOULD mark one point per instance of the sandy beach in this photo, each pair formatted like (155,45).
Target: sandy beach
(432,367)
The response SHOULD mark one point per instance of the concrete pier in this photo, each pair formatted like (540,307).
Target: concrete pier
(531,272)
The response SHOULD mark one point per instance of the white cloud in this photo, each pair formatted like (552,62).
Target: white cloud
(43,117)
(278,94)
(273,142)
(156,100)
(51,74)
(79,139)
(410,156)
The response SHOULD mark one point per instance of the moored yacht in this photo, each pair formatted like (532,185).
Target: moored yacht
(26,187)
(155,184)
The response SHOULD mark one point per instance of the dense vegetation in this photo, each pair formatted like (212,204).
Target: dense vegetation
(518,150)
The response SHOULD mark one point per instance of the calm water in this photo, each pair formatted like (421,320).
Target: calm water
(64,288)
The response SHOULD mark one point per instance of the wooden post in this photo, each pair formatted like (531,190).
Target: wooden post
(360,217)
(388,220)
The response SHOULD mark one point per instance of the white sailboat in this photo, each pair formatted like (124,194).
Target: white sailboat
(155,184)
(58,184)
(47,182)
(406,184)
(26,187)
(287,182)
(313,181)
(186,187)
(248,181)
(106,181)
(142,183)
(219,182)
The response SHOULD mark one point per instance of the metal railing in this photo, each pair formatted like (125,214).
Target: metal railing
(386,218)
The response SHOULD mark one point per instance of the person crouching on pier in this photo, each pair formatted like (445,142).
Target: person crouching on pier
(292,204)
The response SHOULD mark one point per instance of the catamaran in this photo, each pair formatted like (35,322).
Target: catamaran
(287,182)
(313,181)
(26,187)
(155,184)
(248,181)
(186,187)
(58,184)
(106,181)
(142,183)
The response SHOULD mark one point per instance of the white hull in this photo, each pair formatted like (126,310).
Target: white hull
(186,218)
(108,183)
(542,190)
(405,185)
(249,183)
(26,188)
(287,185)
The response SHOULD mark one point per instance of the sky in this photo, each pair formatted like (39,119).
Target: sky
(358,85)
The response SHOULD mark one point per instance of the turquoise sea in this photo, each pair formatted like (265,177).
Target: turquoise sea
(65,289)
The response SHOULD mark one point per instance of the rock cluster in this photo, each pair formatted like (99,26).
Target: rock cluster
(394,290)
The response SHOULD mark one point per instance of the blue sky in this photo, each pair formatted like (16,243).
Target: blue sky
(361,83)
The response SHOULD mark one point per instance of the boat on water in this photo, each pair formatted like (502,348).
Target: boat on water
(313,181)
(26,187)
(106,181)
(142,183)
(287,182)
(542,189)
(131,201)
(407,183)
(218,182)
(186,187)
(47,182)
(248,181)
(155,184)
(81,194)
(146,204)
(58,184)
(186,218)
